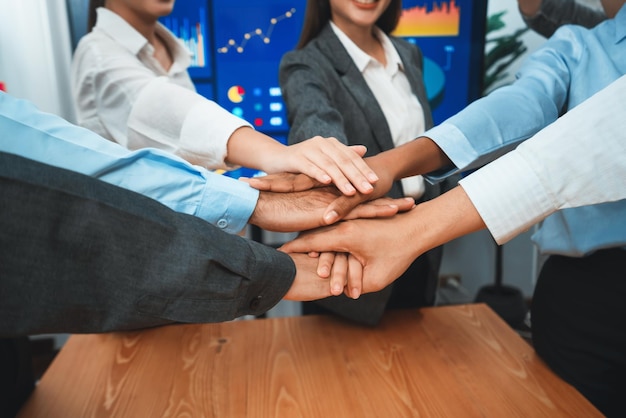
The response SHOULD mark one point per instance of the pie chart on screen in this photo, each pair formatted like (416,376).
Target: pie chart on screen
(235,94)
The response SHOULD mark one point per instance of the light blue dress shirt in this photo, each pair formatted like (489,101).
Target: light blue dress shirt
(570,67)
(30,133)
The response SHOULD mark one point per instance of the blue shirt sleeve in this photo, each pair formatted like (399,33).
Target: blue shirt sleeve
(497,123)
(43,137)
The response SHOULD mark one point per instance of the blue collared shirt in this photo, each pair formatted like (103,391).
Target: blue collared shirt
(570,67)
(28,132)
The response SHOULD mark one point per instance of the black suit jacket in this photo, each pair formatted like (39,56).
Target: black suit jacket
(326,95)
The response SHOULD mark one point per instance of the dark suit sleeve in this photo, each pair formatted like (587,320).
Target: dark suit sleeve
(78,255)
(554,14)
(310,107)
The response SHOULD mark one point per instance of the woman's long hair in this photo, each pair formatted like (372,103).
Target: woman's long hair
(92,16)
(317,15)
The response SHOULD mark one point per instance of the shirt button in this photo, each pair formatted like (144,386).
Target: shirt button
(254,303)
(222,223)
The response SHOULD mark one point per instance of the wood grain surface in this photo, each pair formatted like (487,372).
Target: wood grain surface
(457,361)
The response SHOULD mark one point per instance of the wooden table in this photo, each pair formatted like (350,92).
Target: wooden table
(458,361)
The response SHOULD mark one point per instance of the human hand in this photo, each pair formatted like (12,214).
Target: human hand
(326,160)
(344,270)
(340,206)
(299,211)
(384,247)
(307,285)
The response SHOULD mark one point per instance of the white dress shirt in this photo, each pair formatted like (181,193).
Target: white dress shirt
(578,160)
(391,88)
(123,93)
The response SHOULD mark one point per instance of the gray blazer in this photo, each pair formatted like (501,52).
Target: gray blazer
(326,95)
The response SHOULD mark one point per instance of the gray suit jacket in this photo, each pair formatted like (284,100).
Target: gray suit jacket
(79,255)
(326,95)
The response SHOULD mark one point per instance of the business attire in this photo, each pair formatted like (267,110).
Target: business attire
(78,255)
(536,179)
(573,322)
(28,132)
(81,255)
(122,93)
(555,13)
(332,88)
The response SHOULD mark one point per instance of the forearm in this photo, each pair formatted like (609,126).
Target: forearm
(538,178)
(440,220)
(172,181)
(250,148)
(419,156)
(119,259)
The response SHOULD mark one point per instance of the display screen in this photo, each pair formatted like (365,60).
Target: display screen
(451,35)
(237,46)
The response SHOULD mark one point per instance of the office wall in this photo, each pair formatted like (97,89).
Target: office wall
(35,53)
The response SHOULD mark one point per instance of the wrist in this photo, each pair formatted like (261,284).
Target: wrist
(250,148)
(258,214)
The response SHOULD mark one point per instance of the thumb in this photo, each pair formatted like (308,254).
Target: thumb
(359,149)
(319,240)
(340,208)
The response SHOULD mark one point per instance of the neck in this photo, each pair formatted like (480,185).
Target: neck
(143,25)
(362,36)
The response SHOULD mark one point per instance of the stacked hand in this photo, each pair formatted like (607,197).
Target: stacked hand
(339,259)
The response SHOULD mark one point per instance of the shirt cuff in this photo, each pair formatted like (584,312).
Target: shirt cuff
(227,203)
(454,144)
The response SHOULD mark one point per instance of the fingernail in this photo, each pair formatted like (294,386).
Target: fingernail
(348,188)
(366,186)
(326,178)
(355,293)
(372,177)
(331,217)
(336,290)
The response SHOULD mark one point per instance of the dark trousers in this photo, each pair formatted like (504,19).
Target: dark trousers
(16,375)
(579,325)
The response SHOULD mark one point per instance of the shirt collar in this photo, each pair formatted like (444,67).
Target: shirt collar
(362,59)
(128,37)
(620,23)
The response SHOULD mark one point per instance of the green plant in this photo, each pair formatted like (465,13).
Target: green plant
(501,51)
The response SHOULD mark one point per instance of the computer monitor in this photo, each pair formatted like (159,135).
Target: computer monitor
(451,35)
(237,46)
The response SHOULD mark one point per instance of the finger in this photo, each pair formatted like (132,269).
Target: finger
(331,172)
(341,207)
(353,167)
(323,239)
(356,161)
(325,264)
(282,182)
(381,208)
(339,274)
(355,277)
(359,149)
